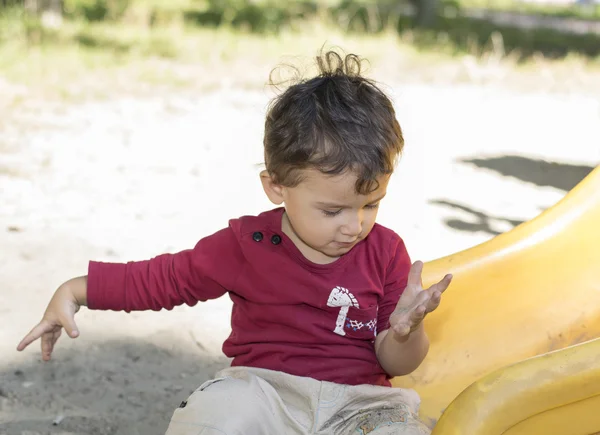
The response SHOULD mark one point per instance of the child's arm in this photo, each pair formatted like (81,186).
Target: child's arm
(403,347)
(401,355)
(206,272)
(60,313)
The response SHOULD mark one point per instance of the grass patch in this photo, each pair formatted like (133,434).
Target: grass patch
(146,49)
(155,28)
(101,59)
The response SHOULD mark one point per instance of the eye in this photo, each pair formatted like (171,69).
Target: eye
(372,206)
(331,213)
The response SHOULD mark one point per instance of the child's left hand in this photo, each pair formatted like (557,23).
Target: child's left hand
(415,302)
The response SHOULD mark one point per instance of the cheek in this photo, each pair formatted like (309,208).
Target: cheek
(323,227)
(369,221)
(315,224)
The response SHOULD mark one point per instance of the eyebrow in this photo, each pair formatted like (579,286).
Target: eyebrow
(334,205)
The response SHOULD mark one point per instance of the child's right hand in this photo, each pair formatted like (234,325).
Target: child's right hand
(59,314)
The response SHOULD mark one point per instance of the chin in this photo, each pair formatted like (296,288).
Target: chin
(330,253)
(339,251)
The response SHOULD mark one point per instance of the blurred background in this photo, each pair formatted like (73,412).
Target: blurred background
(129,128)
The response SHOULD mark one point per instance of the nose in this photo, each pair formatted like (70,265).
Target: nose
(353,225)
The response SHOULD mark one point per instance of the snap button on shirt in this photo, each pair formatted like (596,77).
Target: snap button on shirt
(257,236)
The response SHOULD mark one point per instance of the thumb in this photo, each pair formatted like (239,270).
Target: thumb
(401,330)
(71,327)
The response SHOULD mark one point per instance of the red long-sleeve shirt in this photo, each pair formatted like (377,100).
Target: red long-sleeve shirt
(289,314)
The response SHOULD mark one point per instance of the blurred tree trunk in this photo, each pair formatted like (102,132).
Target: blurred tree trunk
(41,6)
(49,11)
(426,12)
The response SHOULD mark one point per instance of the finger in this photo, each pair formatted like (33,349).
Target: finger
(48,341)
(41,328)
(442,285)
(418,314)
(414,275)
(434,302)
(400,324)
(422,298)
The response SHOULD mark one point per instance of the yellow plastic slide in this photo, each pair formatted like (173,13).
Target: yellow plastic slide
(513,347)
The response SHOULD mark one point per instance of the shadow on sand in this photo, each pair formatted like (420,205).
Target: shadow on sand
(113,388)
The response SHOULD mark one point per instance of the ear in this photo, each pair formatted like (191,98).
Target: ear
(273,190)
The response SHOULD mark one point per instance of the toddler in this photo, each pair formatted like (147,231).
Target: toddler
(327,306)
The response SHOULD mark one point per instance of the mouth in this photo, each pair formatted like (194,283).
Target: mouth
(346,244)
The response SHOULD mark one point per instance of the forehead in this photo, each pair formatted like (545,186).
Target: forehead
(337,188)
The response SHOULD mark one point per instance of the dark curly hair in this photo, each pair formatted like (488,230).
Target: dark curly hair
(334,122)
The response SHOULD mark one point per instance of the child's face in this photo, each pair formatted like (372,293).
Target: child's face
(325,217)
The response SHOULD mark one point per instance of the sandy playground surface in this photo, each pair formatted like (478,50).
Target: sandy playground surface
(128,178)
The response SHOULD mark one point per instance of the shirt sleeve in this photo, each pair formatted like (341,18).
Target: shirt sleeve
(205,272)
(396,279)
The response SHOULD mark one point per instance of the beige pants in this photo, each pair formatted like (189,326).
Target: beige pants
(249,401)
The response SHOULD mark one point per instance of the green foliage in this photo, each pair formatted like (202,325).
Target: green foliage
(96,10)
(452,29)
(267,16)
(271,16)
